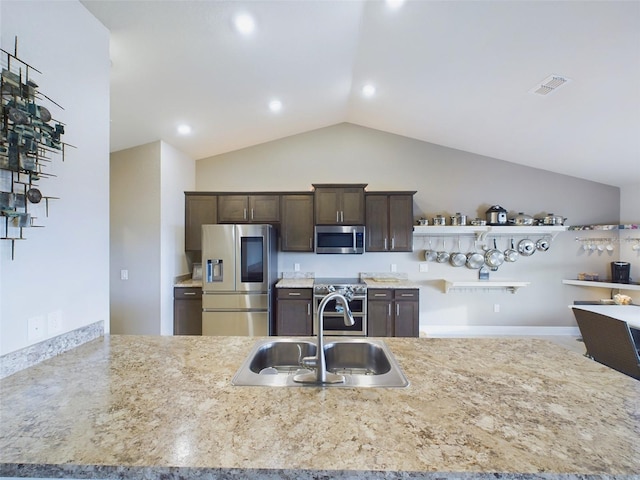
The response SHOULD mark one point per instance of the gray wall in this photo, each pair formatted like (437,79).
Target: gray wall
(447,181)
(147,235)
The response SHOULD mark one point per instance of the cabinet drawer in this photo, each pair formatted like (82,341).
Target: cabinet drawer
(379,294)
(294,293)
(187,292)
(406,294)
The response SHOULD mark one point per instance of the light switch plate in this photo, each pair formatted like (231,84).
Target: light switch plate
(424,267)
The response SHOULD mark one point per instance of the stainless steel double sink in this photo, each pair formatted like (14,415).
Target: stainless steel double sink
(363,363)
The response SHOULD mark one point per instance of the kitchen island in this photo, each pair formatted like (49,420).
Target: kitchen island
(164,407)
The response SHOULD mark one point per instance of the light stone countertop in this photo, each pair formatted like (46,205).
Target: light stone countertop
(295,283)
(188,283)
(157,406)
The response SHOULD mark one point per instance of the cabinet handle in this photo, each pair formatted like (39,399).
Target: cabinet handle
(244,215)
(308,308)
(389,310)
(397,310)
(337,216)
(342,216)
(385,243)
(379,294)
(393,243)
(406,294)
(189,293)
(294,294)
(252,214)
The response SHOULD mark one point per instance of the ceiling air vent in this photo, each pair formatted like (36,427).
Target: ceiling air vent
(549,85)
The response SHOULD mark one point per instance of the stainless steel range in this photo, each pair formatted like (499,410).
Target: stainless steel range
(333,319)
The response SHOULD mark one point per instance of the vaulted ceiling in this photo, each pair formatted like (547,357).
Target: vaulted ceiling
(454,73)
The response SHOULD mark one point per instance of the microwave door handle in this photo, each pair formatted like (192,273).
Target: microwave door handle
(354,240)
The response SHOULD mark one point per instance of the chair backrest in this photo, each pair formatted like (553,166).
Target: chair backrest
(609,341)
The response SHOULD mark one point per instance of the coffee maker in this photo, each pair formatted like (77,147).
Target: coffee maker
(620,272)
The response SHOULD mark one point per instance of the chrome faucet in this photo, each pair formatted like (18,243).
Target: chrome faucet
(318,361)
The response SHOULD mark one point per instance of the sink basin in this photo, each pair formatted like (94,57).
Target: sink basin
(363,363)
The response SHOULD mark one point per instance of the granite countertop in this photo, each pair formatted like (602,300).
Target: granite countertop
(188,283)
(163,407)
(295,283)
(397,283)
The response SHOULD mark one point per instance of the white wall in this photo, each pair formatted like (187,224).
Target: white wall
(447,181)
(62,269)
(147,235)
(178,176)
(630,214)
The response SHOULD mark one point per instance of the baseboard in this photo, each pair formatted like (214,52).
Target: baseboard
(33,354)
(494,331)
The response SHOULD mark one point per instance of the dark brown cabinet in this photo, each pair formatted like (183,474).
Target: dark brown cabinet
(294,312)
(339,204)
(297,223)
(187,311)
(389,220)
(248,208)
(393,313)
(200,209)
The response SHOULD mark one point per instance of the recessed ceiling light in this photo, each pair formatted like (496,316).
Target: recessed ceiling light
(244,23)
(184,129)
(394,4)
(275,105)
(368,90)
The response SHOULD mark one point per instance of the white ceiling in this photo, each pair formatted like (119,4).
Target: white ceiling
(454,73)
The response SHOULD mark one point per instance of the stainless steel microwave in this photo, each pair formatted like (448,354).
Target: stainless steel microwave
(339,239)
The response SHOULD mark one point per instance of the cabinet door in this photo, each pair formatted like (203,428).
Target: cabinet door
(297,223)
(352,206)
(377,222)
(407,311)
(379,312)
(379,316)
(199,210)
(400,223)
(327,206)
(264,208)
(187,311)
(294,312)
(233,208)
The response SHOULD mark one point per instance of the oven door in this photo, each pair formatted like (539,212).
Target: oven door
(333,318)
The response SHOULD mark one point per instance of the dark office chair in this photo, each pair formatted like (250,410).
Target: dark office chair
(609,341)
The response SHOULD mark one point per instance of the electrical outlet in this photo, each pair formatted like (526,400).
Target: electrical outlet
(37,328)
(124,274)
(296,267)
(424,267)
(496,308)
(393,267)
(54,322)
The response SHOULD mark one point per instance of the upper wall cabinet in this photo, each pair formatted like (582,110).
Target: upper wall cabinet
(248,208)
(200,209)
(339,204)
(389,220)
(297,223)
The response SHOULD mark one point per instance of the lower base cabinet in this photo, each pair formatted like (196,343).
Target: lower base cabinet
(187,311)
(393,313)
(294,315)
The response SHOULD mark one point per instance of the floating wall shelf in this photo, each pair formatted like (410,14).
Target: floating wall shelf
(507,285)
(484,231)
(631,226)
(592,284)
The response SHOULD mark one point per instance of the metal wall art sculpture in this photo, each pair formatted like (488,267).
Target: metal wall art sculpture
(28,138)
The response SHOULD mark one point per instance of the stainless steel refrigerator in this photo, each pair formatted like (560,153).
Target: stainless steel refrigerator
(238,273)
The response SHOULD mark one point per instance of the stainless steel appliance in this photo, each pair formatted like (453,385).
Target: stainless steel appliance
(620,272)
(339,239)
(333,318)
(239,270)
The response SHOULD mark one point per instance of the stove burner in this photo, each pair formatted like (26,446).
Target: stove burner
(323,286)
